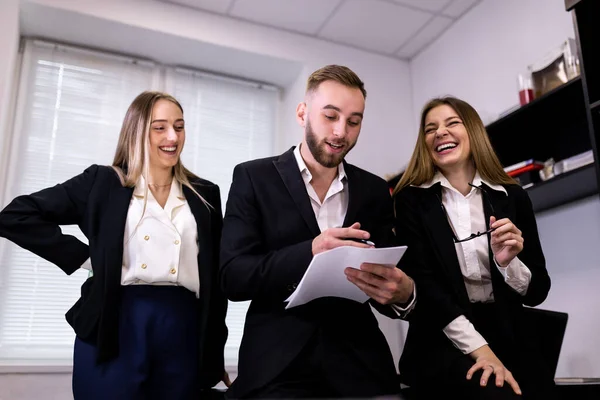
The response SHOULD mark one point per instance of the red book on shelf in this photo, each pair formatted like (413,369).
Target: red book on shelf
(522,164)
(530,167)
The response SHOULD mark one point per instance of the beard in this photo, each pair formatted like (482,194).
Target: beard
(318,151)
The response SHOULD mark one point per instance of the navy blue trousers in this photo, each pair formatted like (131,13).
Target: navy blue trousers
(158,350)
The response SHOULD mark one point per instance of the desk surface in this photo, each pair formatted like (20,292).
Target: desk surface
(576,381)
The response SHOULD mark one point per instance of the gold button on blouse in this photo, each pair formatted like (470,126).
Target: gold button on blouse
(176,242)
(173,270)
(146,237)
(144,266)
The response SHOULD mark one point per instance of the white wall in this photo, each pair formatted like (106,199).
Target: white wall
(478,60)
(36,386)
(570,238)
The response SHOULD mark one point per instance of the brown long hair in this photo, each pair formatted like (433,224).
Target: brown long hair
(421,168)
(132,157)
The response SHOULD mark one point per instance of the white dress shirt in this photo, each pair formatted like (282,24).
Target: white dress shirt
(160,246)
(332,211)
(467,216)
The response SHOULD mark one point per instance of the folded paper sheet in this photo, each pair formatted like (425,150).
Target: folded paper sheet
(325,275)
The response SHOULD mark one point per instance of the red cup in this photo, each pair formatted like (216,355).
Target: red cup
(525,89)
(525,96)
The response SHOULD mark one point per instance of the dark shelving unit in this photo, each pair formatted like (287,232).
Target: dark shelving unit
(562,123)
(555,126)
(540,129)
(587,31)
(569,90)
(565,188)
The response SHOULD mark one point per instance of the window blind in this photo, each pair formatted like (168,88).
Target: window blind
(70,108)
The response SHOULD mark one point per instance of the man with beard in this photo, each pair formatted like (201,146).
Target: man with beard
(281,212)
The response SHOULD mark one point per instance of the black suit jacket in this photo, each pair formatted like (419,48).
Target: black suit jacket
(97,202)
(268,230)
(431,261)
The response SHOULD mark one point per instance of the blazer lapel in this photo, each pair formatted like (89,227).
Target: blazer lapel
(112,235)
(437,224)
(500,203)
(498,200)
(289,171)
(119,200)
(354,194)
(202,216)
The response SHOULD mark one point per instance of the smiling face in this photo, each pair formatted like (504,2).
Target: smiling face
(446,138)
(167,134)
(332,118)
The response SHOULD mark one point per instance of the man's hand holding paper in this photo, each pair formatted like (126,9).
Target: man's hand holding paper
(337,249)
(382,283)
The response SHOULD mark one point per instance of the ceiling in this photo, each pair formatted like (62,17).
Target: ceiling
(395,28)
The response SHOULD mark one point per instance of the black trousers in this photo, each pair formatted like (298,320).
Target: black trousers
(315,374)
(158,350)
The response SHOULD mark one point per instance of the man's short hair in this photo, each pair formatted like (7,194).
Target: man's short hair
(337,73)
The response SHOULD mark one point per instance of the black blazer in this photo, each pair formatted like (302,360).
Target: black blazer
(268,230)
(431,261)
(97,202)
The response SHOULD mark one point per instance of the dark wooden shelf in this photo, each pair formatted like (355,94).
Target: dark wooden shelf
(595,106)
(538,129)
(564,188)
(564,90)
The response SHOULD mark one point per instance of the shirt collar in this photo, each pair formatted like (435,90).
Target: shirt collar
(306,175)
(477,181)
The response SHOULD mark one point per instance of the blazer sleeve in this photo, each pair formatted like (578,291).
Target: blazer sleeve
(250,271)
(217,328)
(531,255)
(436,305)
(33,221)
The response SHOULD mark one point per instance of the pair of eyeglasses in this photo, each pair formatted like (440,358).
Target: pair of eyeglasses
(473,235)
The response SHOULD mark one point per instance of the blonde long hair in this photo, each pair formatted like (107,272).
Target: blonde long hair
(132,157)
(421,168)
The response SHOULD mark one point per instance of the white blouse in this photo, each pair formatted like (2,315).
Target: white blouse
(160,246)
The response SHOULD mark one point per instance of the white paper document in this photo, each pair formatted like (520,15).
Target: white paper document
(325,275)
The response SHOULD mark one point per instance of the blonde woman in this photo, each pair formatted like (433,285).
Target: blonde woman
(476,258)
(150,322)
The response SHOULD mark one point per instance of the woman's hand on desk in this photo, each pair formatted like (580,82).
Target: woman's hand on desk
(486,360)
(507,241)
